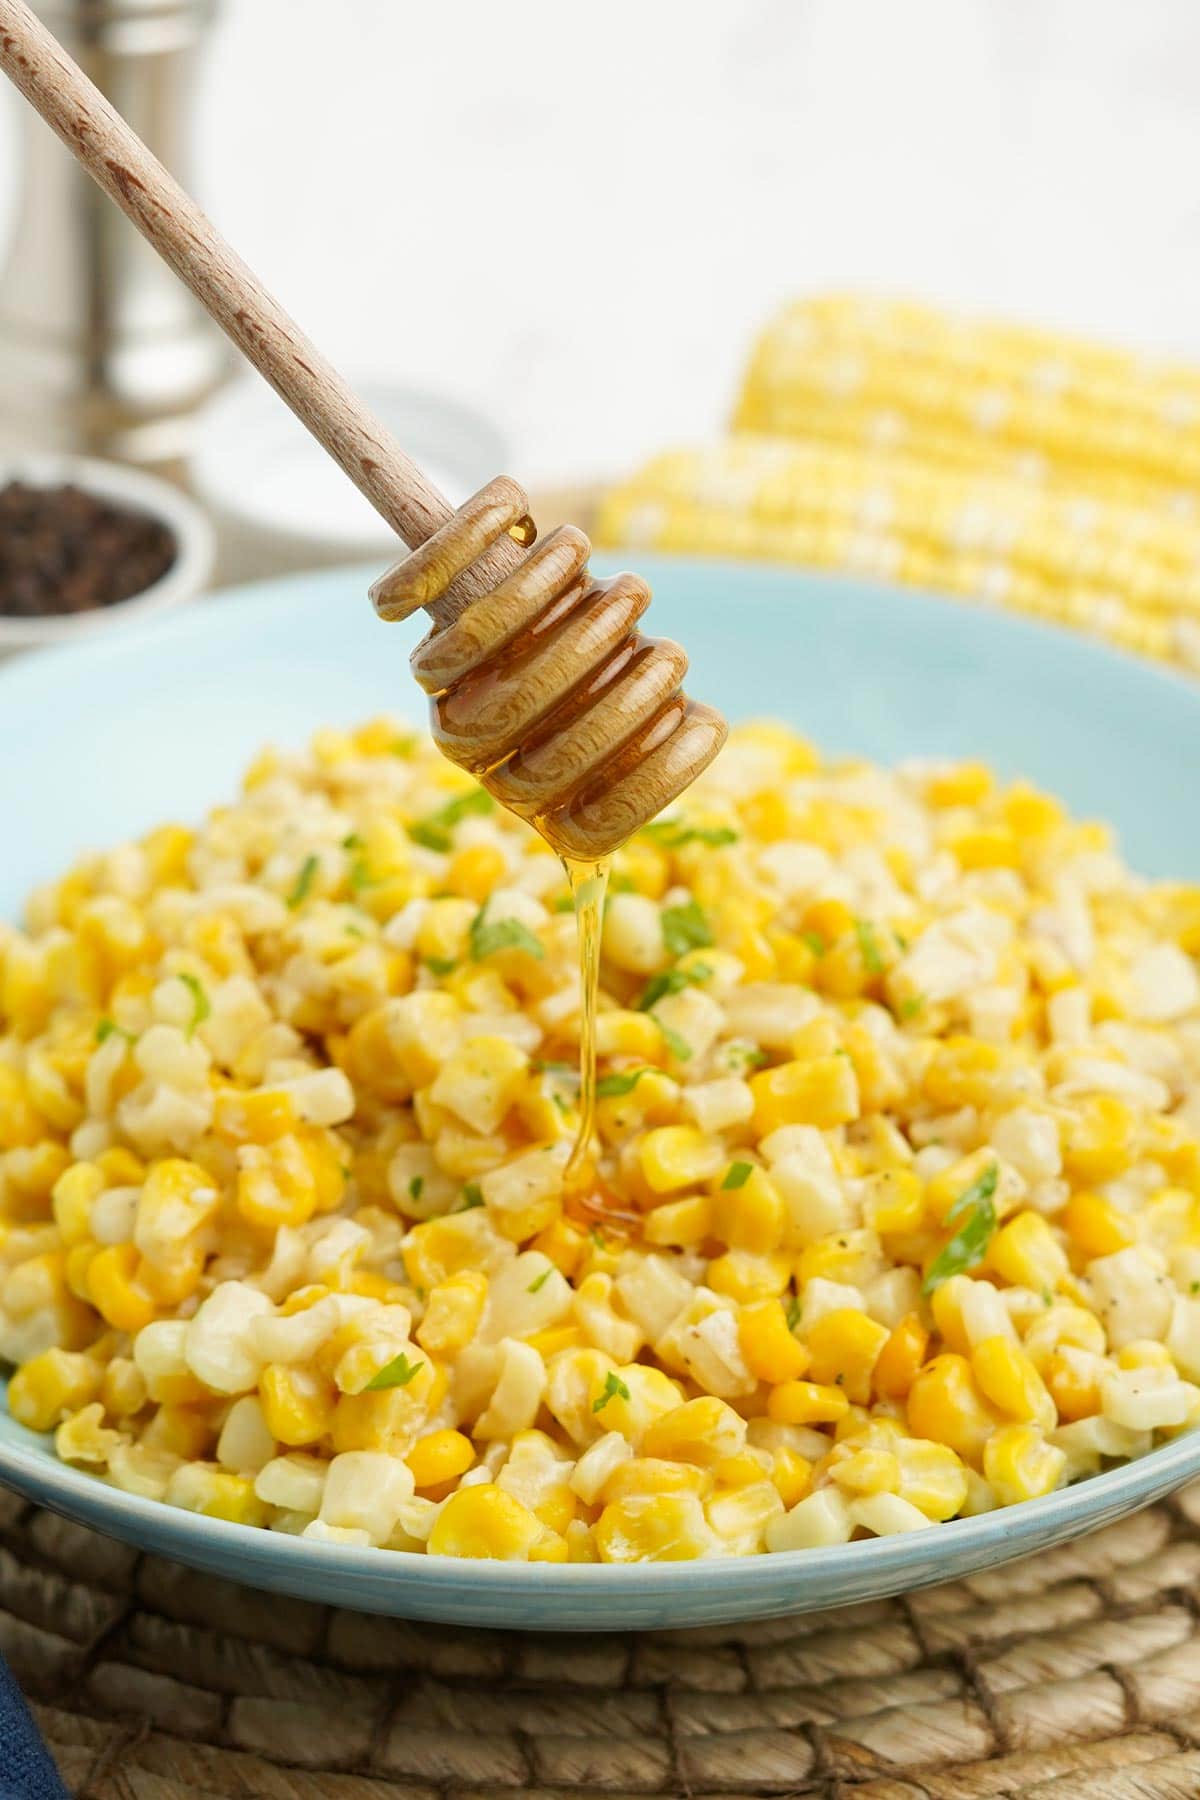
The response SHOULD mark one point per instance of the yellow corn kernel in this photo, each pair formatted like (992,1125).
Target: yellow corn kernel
(79,1260)
(452,1312)
(653,1528)
(966,784)
(1019,1464)
(894,1200)
(480,1081)
(828,919)
(120,1167)
(649,1475)
(843,1256)
(551,1548)
(742,1470)
(945,1303)
(20,1121)
(986,847)
(678,1156)
(899,1362)
(217,1494)
(74,1192)
(867,1471)
(945,1404)
(1029,813)
(749,1216)
(703,1431)
(1027,1254)
(769,1349)
(328,1164)
(185,1431)
(806,1403)
(632,1034)
(485,1522)
(439,1457)
(1144,1353)
(48,1387)
(844,1347)
(792,1475)
(1009,1380)
(555,1339)
(822,1091)
(257,1117)
(1072,1384)
(115,1290)
(275,1187)
(932,1478)
(747,1278)
(123,1391)
(1099,1140)
(564,1244)
(679,1223)
(1095,1226)
(474,871)
(298,1404)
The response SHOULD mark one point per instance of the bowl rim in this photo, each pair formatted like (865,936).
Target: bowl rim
(194,536)
(36,1471)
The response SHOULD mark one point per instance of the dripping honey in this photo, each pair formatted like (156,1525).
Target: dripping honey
(588,883)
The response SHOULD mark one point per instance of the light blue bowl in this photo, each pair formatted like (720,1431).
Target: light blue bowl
(156,722)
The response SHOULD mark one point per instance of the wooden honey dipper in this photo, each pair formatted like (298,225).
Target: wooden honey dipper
(539,682)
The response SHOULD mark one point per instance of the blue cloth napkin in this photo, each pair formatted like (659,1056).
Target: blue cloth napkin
(26,1772)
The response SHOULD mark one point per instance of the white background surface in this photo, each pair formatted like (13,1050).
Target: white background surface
(577,215)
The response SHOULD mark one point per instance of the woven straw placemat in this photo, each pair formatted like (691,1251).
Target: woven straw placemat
(1071,1676)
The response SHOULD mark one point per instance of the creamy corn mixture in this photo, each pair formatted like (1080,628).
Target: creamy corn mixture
(893,1213)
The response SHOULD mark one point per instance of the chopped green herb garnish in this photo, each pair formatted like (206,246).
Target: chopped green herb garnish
(488,936)
(354,931)
(562,903)
(815,942)
(1194,1288)
(304,881)
(613,1385)
(416,1187)
(540,1281)
(794,1310)
(679,1047)
(868,946)
(672,981)
(472,1196)
(397,1373)
(597,1240)
(685,928)
(737,1175)
(612,1087)
(440,965)
(1047,1297)
(105,1029)
(746,1056)
(673,834)
(352,841)
(433,831)
(403,746)
(912,1006)
(201,1005)
(967,1247)
(561,1102)
(360,875)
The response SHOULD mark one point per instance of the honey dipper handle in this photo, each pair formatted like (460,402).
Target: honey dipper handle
(186,239)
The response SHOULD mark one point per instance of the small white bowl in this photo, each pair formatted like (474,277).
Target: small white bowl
(195,545)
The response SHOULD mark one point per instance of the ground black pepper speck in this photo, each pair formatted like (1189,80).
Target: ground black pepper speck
(63,550)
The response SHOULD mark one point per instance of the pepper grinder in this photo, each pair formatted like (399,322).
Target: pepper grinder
(102,351)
